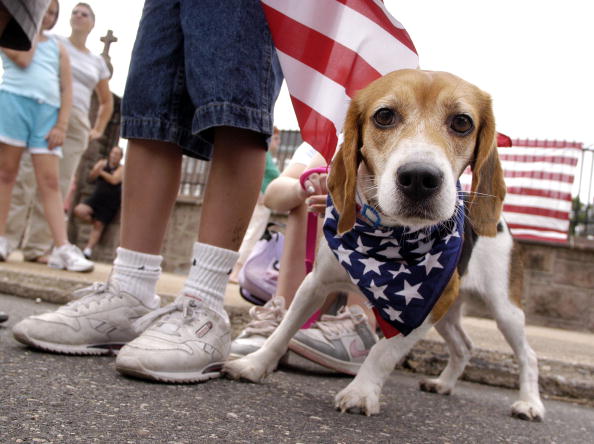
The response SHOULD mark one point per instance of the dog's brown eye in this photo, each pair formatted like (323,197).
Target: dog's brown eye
(384,117)
(462,124)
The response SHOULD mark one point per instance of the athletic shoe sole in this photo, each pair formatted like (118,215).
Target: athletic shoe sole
(62,267)
(80,350)
(132,367)
(348,368)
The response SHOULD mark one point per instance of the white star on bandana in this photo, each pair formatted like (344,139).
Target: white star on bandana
(378,292)
(393,314)
(430,262)
(371,265)
(410,292)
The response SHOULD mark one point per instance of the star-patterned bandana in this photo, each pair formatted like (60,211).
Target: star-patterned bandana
(401,272)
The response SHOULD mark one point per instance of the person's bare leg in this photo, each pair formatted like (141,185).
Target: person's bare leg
(233,185)
(151,186)
(96,232)
(84,212)
(47,174)
(292,263)
(10,157)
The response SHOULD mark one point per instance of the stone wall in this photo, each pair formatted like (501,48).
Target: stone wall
(559,285)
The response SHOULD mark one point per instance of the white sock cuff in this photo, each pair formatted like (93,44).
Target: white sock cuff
(135,259)
(214,258)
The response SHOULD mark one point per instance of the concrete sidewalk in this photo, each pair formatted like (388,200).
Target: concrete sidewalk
(566,358)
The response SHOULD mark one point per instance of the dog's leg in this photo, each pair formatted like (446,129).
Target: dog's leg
(256,366)
(459,347)
(502,262)
(510,320)
(362,394)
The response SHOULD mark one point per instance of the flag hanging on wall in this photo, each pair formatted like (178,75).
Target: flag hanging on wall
(539,176)
(328,50)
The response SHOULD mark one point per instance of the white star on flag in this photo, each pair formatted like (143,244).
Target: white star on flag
(430,262)
(370,265)
(378,292)
(393,314)
(401,270)
(410,292)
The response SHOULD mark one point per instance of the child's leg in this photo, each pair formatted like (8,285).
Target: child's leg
(292,263)
(151,185)
(10,157)
(47,167)
(231,193)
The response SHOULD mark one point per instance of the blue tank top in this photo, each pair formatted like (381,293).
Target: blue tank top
(40,80)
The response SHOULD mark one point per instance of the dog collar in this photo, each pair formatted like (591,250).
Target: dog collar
(401,272)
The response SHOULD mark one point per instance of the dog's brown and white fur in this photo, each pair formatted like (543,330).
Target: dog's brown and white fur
(436,124)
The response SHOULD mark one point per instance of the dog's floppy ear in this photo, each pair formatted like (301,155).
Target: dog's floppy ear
(342,180)
(488,186)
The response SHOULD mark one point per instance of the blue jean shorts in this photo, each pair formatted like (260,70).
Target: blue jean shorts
(198,65)
(25,122)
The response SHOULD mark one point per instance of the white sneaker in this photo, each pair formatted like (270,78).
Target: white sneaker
(87,252)
(3,249)
(263,322)
(340,342)
(69,257)
(98,323)
(185,342)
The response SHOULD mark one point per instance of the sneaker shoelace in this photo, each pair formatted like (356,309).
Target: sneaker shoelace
(335,326)
(183,309)
(266,318)
(93,294)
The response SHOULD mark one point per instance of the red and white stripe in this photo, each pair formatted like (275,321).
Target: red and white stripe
(328,50)
(539,176)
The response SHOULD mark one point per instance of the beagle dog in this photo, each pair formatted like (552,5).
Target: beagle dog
(408,136)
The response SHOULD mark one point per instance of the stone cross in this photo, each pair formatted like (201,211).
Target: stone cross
(108,39)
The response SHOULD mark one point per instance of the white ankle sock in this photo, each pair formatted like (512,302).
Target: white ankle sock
(137,274)
(209,275)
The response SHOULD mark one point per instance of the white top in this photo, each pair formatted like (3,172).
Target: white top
(87,70)
(303,154)
(40,80)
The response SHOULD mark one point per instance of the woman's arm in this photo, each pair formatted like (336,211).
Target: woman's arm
(105,109)
(94,173)
(57,134)
(114,178)
(22,58)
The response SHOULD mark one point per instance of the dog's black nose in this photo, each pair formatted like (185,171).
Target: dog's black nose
(418,180)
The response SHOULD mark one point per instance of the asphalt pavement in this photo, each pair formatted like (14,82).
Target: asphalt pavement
(66,399)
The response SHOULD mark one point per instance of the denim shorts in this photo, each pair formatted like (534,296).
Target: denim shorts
(27,123)
(197,65)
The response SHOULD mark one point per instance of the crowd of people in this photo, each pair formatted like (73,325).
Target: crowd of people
(181,98)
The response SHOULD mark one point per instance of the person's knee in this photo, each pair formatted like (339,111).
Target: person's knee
(83,212)
(49,182)
(8,174)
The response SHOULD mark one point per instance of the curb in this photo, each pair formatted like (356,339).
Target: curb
(557,379)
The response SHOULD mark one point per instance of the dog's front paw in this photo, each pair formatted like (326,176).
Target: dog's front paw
(357,398)
(434,385)
(528,411)
(250,368)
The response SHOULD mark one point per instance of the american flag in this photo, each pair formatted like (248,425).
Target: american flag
(328,50)
(539,175)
